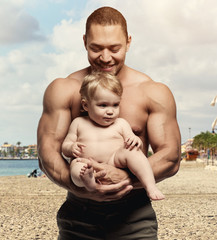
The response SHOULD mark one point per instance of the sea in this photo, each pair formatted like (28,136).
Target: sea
(14,167)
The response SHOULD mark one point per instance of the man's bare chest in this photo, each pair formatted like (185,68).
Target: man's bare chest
(134,111)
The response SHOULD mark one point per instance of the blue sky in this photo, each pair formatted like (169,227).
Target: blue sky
(173,41)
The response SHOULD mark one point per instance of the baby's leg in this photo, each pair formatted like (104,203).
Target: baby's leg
(82,174)
(139,165)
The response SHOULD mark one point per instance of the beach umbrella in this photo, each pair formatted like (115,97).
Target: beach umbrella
(214,124)
(213,102)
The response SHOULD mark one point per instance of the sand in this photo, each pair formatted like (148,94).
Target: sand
(189,212)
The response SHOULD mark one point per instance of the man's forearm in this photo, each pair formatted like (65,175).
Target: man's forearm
(165,163)
(166,170)
(56,169)
(62,178)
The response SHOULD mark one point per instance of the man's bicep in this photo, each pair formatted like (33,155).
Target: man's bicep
(54,124)
(163,130)
(56,116)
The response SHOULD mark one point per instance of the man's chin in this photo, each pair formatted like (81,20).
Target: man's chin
(111,70)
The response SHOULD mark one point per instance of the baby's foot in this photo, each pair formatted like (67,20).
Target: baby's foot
(84,160)
(87,177)
(155,194)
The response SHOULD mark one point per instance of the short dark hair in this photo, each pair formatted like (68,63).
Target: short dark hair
(107,16)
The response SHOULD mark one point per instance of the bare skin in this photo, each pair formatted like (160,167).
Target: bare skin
(148,106)
(87,176)
(106,138)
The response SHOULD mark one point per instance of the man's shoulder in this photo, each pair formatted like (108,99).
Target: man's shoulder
(78,75)
(136,79)
(70,84)
(61,92)
(151,89)
(146,80)
(157,89)
(149,85)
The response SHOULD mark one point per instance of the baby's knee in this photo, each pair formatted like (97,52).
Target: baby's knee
(121,157)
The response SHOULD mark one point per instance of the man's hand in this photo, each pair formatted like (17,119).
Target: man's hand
(107,174)
(112,183)
(110,192)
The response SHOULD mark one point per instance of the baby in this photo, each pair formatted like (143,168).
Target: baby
(105,137)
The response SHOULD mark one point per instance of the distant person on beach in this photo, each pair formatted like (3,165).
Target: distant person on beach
(104,137)
(34,173)
(119,208)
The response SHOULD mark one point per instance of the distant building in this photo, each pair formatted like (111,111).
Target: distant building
(187,145)
(190,153)
(32,150)
(7,148)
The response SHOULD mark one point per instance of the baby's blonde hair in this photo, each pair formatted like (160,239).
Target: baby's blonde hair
(105,80)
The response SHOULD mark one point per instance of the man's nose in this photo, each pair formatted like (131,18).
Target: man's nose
(105,56)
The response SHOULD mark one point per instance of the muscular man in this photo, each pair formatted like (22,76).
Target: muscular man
(119,208)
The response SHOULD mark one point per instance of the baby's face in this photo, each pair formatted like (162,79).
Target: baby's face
(104,107)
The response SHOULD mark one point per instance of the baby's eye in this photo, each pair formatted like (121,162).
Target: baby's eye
(102,105)
(116,105)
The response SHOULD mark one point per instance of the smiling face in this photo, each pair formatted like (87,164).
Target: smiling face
(106,46)
(103,109)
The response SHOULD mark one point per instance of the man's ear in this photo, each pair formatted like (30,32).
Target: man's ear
(85,41)
(129,42)
(84,104)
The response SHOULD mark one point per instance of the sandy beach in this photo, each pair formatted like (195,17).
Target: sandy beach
(189,212)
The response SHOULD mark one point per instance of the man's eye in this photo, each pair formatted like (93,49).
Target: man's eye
(115,50)
(95,49)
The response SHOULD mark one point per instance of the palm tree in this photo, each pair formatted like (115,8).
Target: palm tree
(18,149)
(206,141)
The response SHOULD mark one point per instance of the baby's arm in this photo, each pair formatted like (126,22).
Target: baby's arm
(70,147)
(130,139)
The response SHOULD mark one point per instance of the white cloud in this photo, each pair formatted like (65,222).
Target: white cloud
(174,42)
(22,86)
(18,25)
(27,70)
(70,13)
(57,1)
(67,39)
(67,36)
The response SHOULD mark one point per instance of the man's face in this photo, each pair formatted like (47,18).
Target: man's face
(107,47)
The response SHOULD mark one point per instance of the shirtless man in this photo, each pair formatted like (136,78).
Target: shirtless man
(105,137)
(116,210)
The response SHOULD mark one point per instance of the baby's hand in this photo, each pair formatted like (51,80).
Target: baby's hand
(77,149)
(133,141)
